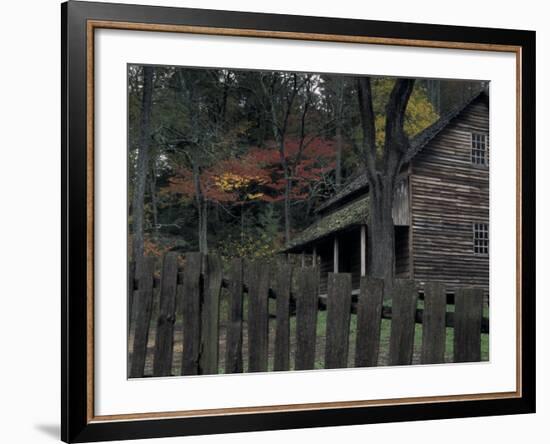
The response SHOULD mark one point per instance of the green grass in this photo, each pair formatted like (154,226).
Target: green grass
(321,335)
(449,342)
(385,332)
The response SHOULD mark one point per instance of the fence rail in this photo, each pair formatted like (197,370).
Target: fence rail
(190,292)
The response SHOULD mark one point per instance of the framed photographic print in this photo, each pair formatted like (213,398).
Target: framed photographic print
(277,221)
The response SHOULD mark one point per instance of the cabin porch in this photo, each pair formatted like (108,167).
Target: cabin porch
(338,239)
(346,251)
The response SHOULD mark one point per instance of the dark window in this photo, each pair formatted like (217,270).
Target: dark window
(480,152)
(481,238)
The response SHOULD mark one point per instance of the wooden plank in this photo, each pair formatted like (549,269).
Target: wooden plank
(400,208)
(434,332)
(258,315)
(281,287)
(234,339)
(449,318)
(210,315)
(164,343)
(143,303)
(191,313)
(467,328)
(448,195)
(404,297)
(369,318)
(338,319)
(306,318)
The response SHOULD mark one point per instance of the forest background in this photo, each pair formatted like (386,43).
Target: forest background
(235,162)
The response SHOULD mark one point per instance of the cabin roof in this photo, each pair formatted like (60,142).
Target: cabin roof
(353,213)
(360,181)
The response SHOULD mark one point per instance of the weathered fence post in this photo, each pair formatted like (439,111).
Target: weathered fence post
(234,339)
(191,313)
(164,343)
(369,318)
(281,288)
(404,298)
(434,331)
(467,324)
(306,318)
(210,315)
(258,315)
(143,304)
(338,319)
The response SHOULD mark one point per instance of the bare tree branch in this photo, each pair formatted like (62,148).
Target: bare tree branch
(396,141)
(368,150)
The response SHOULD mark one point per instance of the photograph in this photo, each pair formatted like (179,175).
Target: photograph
(277,221)
(287,221)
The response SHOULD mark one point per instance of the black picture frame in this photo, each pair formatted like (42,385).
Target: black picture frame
(76,423)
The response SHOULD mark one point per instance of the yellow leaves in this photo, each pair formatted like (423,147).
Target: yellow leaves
(380,129)
(230,182)
(419,115)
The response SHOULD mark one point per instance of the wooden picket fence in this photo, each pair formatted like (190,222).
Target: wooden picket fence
(189,289)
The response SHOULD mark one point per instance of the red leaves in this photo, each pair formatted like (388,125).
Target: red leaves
(260,174)
(306,163)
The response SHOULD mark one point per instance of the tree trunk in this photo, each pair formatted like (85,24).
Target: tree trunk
(382,172)
(279,134)
(338,176)
(153,188)
(339,122)
(142,163)
(381,234)
(288,186)
(204,233)
(242,224)
(202,210)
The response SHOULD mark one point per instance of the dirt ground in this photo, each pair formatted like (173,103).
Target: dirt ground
(319,348)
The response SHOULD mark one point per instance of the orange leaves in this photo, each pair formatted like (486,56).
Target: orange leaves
(231,181)
(258,175)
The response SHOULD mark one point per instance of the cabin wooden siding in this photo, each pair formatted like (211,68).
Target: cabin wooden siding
(400,210)
(448,195)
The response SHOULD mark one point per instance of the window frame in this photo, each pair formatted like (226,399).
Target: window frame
(479,149)
(478,246)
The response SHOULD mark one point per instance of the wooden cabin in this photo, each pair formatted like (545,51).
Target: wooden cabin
(441,209)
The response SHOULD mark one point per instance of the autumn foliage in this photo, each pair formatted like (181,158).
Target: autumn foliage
(258,175)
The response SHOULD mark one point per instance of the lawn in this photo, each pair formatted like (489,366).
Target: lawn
(385,341)
(320,344)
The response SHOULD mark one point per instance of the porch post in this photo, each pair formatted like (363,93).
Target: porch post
(335,268)
(363,250)
(314,256)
